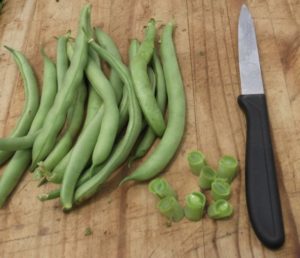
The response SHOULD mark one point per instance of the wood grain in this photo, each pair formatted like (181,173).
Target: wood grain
(124,221)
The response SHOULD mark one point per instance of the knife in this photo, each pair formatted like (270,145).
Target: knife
(262,194)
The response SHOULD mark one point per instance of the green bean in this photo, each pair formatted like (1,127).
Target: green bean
(66,142)
(110,120)
(207,176)
(58,172)
(138,69)
(227,169)
(220,209)
(49,196)
(46,140)
(171,139)
(196,160)
(17,143)
(170,208)
(194,206)
(133,49)
(107,42)
(31,100)
(93,105)
(62,62)
(161,97)
(123,148)
(21,159)
(220,190)
(161,188)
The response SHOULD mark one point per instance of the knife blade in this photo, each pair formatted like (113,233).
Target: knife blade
(262,195)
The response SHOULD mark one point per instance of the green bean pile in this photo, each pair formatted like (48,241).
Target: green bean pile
(87,123)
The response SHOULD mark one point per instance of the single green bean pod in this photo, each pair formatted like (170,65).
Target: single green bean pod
(170,208)
(196,160)
(220,189)
(161,188)
(49,196)
(220,209)
(194,206)
(207,176)
(228,166)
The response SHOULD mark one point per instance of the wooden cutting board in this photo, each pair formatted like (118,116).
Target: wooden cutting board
(124,221)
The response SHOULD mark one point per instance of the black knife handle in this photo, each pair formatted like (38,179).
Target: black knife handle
(261,185)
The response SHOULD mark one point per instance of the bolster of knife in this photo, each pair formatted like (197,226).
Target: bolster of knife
(262,194)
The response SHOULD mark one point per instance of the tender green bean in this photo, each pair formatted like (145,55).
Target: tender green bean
(220,209)
(161,188)
(31,100)
(49,196)
(46,140)
(207,176)
(58,172)
(66,142)
(107,42)
(93,105)
(18,143)
(170,208)
(133,49)
(141,82)
(21,159)
(227,169)
(220,189)
(194,206)
(161,97)
(196,160)
(62,61)
(171,139)
(123,148)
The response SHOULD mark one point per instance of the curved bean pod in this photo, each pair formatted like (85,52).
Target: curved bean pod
(171,139)
(45,141)
(142,85)
(123,148)
(133,49)
(31,100)
(161,98)
(18,143)
(62,61)
(21,159)
(107,42)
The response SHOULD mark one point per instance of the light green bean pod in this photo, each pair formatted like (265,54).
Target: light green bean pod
(141,82)
(123,148)
(66,142)
(62,61)
(161,97)
(169,143)
(21,159)
(18,143)
(49,196)
(107,42)
(133,49)
(46,140)
(31,100)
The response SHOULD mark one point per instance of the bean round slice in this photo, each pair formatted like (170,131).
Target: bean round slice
(46,140)
(31,100)
(21,159)
(172,137)
(142,85)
